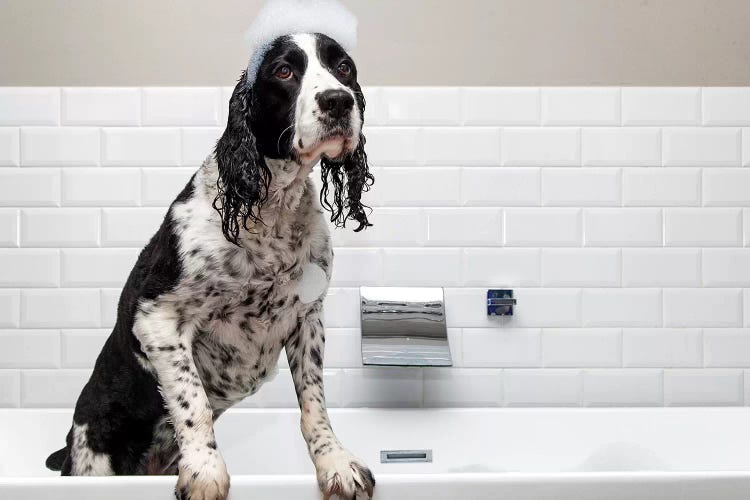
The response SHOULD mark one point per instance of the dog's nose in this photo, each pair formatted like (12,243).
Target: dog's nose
(335,102)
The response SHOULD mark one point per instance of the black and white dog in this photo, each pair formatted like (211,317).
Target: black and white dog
(236,272)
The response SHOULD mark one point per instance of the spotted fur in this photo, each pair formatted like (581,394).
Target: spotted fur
(215,297)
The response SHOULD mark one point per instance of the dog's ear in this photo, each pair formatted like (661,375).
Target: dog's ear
(243,173)
(350,178)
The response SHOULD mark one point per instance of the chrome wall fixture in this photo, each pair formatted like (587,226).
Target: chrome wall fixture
(404,326)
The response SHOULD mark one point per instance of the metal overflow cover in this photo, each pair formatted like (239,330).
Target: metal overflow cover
(405,456)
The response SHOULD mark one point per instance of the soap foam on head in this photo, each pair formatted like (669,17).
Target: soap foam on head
(285,17)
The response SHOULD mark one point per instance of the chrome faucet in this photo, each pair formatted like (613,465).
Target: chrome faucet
(403,326)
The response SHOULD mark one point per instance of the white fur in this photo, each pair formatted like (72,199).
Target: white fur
(286,17)
(85,461)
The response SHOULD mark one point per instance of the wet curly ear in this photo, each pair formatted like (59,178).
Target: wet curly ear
(350,178)
(243,174)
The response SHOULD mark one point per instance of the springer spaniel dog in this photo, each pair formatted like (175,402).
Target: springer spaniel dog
(237,271)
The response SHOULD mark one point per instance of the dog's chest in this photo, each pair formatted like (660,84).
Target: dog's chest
(251,301)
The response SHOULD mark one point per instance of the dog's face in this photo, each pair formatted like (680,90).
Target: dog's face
(304,105)
(309,100)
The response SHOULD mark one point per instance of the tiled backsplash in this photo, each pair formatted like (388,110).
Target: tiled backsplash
(617,215)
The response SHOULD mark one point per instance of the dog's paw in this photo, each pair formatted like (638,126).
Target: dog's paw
(209,482)
(341,474)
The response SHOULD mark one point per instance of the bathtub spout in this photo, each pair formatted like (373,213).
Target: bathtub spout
(403,327)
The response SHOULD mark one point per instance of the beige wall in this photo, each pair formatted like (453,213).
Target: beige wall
(402,42)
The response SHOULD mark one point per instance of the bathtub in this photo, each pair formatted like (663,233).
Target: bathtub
(477,454)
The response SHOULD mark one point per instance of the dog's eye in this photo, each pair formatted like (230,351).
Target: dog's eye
(284,72)
(345,68)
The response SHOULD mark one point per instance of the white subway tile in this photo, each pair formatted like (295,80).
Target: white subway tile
(726,267)
(226,96)
(89,267)
(29,106)
(101,106)
(391,227)
(501,267)
(703,227)
(341,308)
(467,307)
(487,347)
(543,227)
(622,227)
(581,187)
(726,187)
(52,388)
(702,147)
(462,387)
(697,307)
(590,347)
(501,106)
(10,307)
(10,388)
(580,267)
(392,387)
(357,267)
(421,105)
(544,307)
(343,348)
(746,147)
(661,267)
(80,348)
(28,188)
(101,187)
(621,147)
(464,226)
(59,227)
(140,146)
(726,106)
(400,187)
(492,186)
(581,106)
(27,267)
(29,348)
(550,147)
(60,308)
(10,149)
(703,387)
(60,146)
(629,387)
(181,106)
(130,227)
(198,143)
(657,187)
(393,146)
(8,227)
(726,347)
(621,307)
(109,298)
(662,347)
(548,387)
(461,146)
(374,110)
(422,267)
(162,185)
(661,106)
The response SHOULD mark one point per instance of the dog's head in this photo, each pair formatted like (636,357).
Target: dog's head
(304,105)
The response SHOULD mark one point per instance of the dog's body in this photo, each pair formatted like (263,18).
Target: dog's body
(237,271)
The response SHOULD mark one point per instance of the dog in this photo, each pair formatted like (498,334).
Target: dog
(237,271)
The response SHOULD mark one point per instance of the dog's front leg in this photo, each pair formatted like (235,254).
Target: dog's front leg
(339,472)
(202,472)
